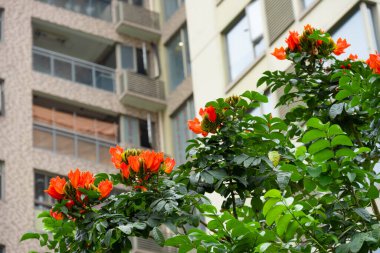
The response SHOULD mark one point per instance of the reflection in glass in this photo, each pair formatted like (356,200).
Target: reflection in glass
(175,58)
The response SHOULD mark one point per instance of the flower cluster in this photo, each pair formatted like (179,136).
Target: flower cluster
(73,191)
(140,167)
(313,42)
(374,62)
(209,123)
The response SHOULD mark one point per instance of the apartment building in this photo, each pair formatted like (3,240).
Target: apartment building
(77,76)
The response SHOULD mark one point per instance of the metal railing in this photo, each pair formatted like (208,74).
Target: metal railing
(142,85)
(73,69)
(138,15)
(95,8)
(70,143)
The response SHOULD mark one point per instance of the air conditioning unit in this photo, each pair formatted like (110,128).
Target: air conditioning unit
(141,245)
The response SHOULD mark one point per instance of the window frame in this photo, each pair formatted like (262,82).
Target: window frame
(371,29)
(164,16)
(47,176)
(254,42)
(1,24)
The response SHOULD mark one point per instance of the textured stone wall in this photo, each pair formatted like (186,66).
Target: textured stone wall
(21,82)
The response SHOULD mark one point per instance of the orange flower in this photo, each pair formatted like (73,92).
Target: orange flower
(308,28)
(105,188)
(293,40)
(134,162)
(374,62)
(116,158)
(169,165)
(353,57)
(279,53)
(56,188)
(79,179)
(142,188)
(56,215)
(209,112)
(195,126)
(125,170)
(158,159)
(340,46)
(148,157)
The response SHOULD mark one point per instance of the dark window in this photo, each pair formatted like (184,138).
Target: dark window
(141,62)
(2,249)
(144,135)
(42,200)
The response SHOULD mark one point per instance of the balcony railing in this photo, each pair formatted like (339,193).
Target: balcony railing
(95,8)
(73,69)
(135,88)
(137,21)
(70,143)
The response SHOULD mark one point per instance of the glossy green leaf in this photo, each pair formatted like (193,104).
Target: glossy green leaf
(274,213)
(323,155)
(372,192)
(282,223)
(341,140)
(317,123)
(273,193)
(335,110)
(313,134)
(343,94)
(334,130)
(318,146)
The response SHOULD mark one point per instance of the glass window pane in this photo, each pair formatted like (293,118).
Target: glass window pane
(62,69)
(240,49)
(104,156)
(175,58)
(1,24)
(127,57)
(83,75)
(359,43)
(64,144)
(307,3)
(187,49)
(371,12)
(104,81)
(39,188)
(41,63)
(259,47)
(86,149)
(144,137)
(170,7)
(255,19)
(42,139)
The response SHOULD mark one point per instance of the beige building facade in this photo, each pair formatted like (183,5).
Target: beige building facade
(77,76)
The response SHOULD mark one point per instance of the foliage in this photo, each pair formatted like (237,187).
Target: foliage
(303,183)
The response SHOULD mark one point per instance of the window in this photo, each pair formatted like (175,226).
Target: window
(2,104)
(178,58)
(134,2)
(266,108)
(360,21)
(138,133)
(1,26)
(306,4)
(2,190)
(245,40)
(180,131)
(73,131)
(135,59)
(42,200)
(171,6)
(2,248)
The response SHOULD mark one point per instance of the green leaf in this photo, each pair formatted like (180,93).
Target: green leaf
(283,179)
(317,123)
(345,152)
(158,236)
(292,228)
(357,242)
(351,176)
(205,208)
(139,225)
(362,150)
(28,236)
(341,140)
(273,193)
(314,171)
(274,213)
(126,229)
(282,224)
(177,240)
(323,155)
(325,180)
(268,205)
(335,110)
(44,214)
(318,146)
(264,246)
(334,130)
(107,238)
(363,213)
(300,151)
(313,134)
(240,158)
(343,94)
(259,97)
(373,192)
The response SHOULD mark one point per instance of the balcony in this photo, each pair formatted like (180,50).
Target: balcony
(137,22)
(100,9)
(73,69)
(141,91)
